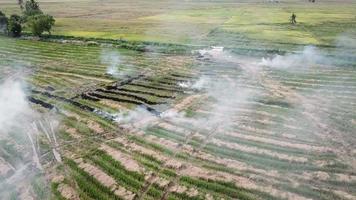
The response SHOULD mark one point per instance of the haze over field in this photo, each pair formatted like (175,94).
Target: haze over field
(178,100)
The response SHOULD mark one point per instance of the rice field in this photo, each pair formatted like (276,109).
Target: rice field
(283,134)
(236,122)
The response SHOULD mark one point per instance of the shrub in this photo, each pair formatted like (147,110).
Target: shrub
(40,23)
(14,26)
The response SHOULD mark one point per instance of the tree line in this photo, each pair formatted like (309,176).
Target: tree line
(32,18)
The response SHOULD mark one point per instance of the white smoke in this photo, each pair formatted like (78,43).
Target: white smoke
(197,85)
(346,49)
(13,104)
(214,51)
(308,57)
(221,92)
(15,123)
(137,115)
(201,82)
(21,128)
(216,54)
(112,60)
(171,113)
(184,84)
(346,40)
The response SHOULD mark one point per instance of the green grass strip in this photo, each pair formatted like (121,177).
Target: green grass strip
(89,185)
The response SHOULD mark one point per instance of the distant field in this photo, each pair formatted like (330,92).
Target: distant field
(219,22)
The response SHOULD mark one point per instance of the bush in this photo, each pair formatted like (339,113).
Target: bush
(14,26)
(40,23)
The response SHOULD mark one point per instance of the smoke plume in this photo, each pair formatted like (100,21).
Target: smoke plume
(112,60)
(21,130)
(309,56)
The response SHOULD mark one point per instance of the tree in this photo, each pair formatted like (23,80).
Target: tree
(14,26)
(40,23)
(32,8)
(3,22)
(32,17)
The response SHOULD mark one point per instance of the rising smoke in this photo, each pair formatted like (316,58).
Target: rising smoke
(346,41)
(342,54)
(112,60)
(21,130)
(195,85)
(308,57)
(224,92)
(139,114)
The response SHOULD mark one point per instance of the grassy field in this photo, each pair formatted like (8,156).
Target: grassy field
(149,125)
(221,22)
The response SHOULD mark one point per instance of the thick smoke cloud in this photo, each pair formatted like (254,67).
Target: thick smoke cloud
(21,129)
(13,103)
(224,92)
(15,131)
(309,56)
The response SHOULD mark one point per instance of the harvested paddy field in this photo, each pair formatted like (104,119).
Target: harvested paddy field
(86,119)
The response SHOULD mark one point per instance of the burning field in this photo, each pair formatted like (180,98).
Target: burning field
(98,123)
(99,119)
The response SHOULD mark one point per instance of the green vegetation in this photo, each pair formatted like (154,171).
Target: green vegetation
(40,188)
(231,24)
(216,187)
(32,17)
(14,26)
(271,144)
(89,185)
(40,23)
(32,8)
(56,193)
(132,180)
